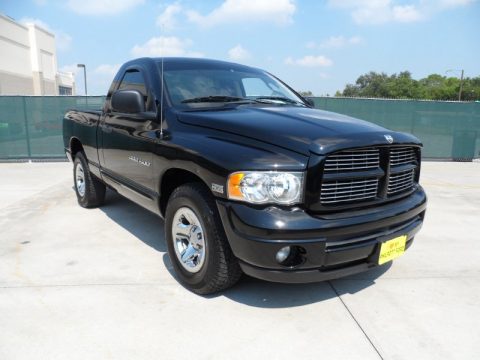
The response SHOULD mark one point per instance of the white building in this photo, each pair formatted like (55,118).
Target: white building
(28,61)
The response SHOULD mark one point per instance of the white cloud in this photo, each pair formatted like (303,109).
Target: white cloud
(239,53)
(107,70)
(376,12)
(310,61)
(379,11)
(62,39)
(102,7)
(335,42)
(165,46)
(238,11)
(406,13)
(72,68)
(167,19)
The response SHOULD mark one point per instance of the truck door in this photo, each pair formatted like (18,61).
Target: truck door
(128,142)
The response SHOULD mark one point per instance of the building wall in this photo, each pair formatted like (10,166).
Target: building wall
(12,84)
(66,83)
(50,87)
(28,61)
(15,66)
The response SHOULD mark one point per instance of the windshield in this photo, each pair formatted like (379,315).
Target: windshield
(194,88)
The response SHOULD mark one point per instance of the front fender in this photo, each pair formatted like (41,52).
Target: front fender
(214,155)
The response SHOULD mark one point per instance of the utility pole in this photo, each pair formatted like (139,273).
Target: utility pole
(461,82)
(461,87)
(84,75)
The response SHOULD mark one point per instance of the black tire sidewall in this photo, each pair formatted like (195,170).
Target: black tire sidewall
(185,197)
(94,189)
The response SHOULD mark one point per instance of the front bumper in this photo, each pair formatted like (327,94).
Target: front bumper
(333,245)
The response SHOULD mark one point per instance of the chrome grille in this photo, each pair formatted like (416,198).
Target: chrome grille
(353,160)
(401,181)
(402,156)
(369,174)
(348,190)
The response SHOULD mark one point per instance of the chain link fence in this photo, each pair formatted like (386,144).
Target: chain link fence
(31,127)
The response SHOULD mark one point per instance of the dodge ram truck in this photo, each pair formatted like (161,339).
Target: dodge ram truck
(248,176)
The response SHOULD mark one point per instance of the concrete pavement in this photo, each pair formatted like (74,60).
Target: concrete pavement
(97,284)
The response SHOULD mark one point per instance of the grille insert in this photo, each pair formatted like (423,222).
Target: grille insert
(348,190)
(401,181)
(369,174)
(402,156)
(353,160)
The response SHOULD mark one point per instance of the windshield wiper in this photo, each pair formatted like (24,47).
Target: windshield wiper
(216,98)
(278,98)
(236,99)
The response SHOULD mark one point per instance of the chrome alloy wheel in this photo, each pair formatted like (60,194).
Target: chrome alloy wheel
(188,239)
(80,180)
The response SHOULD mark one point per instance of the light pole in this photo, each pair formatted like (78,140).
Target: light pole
(84,75)
(461,82)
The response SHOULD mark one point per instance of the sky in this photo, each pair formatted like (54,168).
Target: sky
(317,46)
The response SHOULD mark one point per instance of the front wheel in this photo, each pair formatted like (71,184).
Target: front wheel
(90,190)
(196,241)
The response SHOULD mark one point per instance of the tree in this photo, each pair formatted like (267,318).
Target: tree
(306,93)
(433,87)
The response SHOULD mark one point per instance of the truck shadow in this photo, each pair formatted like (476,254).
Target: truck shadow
(259,293)
(149,228)
(263,294)
(140,222)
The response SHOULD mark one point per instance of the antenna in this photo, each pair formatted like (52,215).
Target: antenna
(161,80)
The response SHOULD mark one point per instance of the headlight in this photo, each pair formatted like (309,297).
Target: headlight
(260,187)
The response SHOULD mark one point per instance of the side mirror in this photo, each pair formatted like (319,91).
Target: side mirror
(310,102)
(128,101)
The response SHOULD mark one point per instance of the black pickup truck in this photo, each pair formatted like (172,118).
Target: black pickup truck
(248,176)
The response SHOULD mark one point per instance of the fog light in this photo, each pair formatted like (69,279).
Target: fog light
(282,254)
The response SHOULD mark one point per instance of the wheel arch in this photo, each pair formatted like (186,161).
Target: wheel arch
(75,146)
(173,178)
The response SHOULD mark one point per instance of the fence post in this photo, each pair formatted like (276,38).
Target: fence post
(27,132)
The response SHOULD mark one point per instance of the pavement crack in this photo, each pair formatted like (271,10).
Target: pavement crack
(356,321)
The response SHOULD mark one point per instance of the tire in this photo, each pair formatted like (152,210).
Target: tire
(209,265)
(90,190)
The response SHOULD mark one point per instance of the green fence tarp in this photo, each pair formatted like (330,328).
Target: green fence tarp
(31,127)
(448,130)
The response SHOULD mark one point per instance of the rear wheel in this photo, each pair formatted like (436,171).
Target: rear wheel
(197,245)
(90,190)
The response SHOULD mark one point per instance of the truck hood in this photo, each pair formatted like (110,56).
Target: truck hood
(299,129)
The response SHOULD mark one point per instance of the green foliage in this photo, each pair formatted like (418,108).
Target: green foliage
(402,86)
(306,93)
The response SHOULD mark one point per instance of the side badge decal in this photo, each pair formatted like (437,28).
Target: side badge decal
(139,161)
(217,188)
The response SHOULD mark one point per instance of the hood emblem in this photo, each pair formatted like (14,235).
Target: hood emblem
(389,138)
